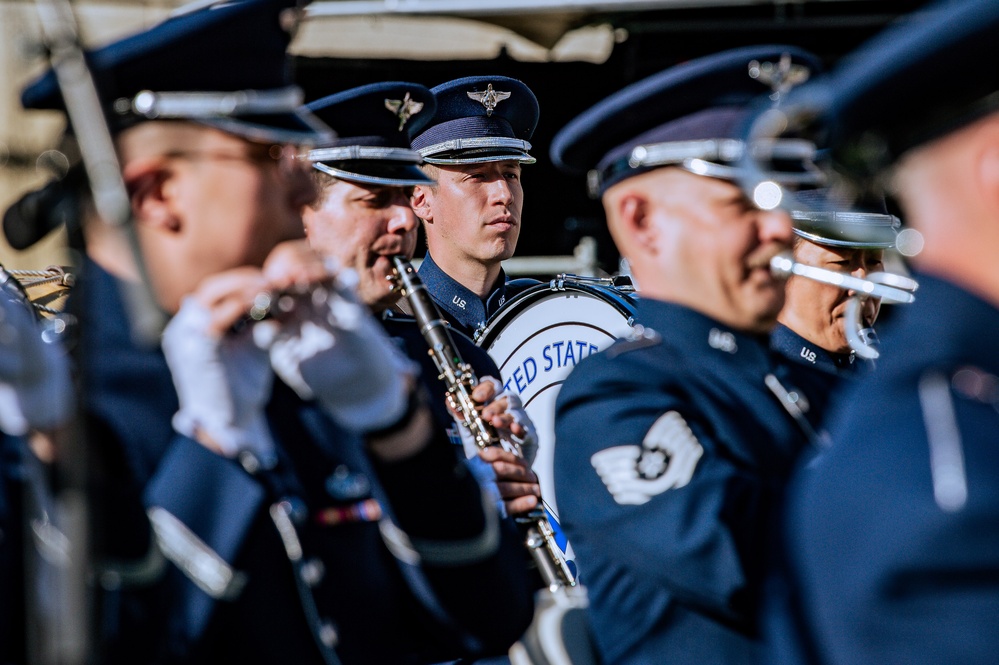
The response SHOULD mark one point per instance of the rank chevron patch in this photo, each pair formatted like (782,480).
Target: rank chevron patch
(665,460)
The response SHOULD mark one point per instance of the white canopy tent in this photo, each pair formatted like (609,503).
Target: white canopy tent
(532,31)
(544,22)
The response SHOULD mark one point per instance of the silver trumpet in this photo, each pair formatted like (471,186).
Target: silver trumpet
(461,380)
(889,287)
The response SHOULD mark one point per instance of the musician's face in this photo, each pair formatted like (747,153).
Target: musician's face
(212,202)
(473,215)
(361,226)
(250,202)
(708,247)
(816,311)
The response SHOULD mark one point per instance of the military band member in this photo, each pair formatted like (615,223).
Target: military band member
(893,536)
(475,146)
(811,331)
(673,447)
(35,396)
(362,217)
(298,541)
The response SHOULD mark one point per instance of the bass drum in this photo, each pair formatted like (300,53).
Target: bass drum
(537,338)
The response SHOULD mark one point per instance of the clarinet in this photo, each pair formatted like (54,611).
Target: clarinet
(460,380)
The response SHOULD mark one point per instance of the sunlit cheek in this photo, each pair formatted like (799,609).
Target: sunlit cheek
(320,239)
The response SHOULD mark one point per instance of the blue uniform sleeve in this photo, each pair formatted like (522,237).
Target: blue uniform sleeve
(643,479)
(881,570)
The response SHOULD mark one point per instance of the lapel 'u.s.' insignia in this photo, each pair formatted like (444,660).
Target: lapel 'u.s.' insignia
(779,76)
(489,98)
(404,108)
(665,460)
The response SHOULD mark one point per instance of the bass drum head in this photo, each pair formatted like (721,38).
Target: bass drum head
(536,340)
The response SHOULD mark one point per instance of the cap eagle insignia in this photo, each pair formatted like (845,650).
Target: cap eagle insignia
(404,108)
(488,98)
(779,76)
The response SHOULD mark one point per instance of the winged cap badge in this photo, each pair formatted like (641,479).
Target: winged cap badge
(404,108)
(779,76)
(488,98)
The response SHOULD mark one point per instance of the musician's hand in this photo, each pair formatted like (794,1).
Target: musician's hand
(227,297)
(331,349)
(505,412)
(518,485)
(294,264)
(223,378)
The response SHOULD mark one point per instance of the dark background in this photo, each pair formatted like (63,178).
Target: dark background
(557,211)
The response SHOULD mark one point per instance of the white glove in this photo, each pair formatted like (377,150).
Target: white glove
(35,389)
(468,442)
(528,443)
(331,349)
(223,384)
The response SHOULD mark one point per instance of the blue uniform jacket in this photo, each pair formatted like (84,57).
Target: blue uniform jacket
(373,602)
(128,399)
(670,454)
(465,311)
(893,533)
(820,374)
(407,334)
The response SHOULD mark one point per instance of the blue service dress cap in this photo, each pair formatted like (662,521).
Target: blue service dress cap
(222,65)
(480,119)
(927,76)
(375,125)
(690,115)
(826,218)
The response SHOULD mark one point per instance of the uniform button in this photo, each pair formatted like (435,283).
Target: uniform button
(252,463)
(797,398)
(312,572)
(249,462)
(345,485)
(328,634)
(295,509)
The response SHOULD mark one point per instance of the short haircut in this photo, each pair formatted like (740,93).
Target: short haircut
(323,182)
(432,172)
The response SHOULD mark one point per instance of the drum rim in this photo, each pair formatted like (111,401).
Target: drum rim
(621,301)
